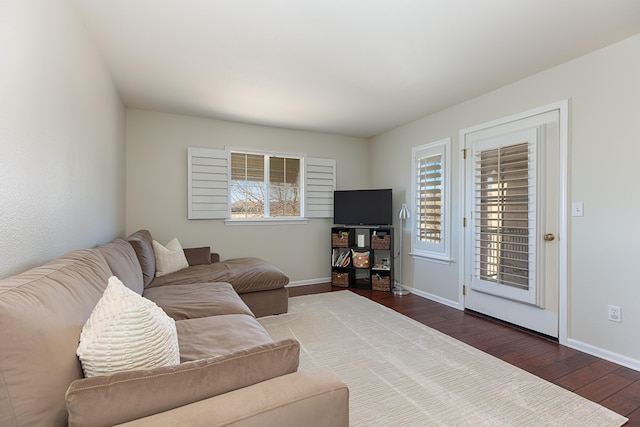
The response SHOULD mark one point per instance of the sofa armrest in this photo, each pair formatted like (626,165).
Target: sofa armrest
(202,255)
(140,393)
(313,398)
(198,256)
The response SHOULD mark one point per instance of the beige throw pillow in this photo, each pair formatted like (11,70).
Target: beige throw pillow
(126,331)
(169,258)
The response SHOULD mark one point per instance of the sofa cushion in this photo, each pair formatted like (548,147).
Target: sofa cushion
(141,393)
(198,256)
(42,312)
(219,335)
(169,258)
(244,274)
(267,303)
(124,264)
(126,331)
(142,244)
(197,300)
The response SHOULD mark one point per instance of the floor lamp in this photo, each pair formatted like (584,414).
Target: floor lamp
(403,215)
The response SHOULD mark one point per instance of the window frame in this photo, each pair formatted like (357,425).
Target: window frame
(438,252)
(267,155)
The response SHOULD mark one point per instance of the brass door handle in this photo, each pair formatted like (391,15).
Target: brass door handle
(549,237)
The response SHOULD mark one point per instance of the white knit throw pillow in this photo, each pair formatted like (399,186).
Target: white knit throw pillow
(126,331)
(169,258)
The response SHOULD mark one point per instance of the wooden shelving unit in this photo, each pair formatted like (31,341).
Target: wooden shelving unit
(362,257)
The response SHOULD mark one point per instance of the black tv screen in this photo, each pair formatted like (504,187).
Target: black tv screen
(363,207)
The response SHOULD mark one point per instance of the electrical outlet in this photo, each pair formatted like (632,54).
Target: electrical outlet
(614,313)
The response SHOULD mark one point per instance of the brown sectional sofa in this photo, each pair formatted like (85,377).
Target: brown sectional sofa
(231,372)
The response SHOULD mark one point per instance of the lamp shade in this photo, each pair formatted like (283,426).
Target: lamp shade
(404,212)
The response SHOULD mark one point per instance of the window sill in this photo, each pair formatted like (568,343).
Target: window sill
(265,221)
(438,259)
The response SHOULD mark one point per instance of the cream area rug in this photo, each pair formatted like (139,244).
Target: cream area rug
(402,373)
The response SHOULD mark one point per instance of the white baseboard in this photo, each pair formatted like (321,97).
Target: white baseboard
(436,298)
(604,354)
(418,292)
(308,282)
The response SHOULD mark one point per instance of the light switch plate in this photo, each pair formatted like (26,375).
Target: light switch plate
(577,209)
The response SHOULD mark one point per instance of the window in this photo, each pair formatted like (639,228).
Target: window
(430,228)
(265,186)
(253,186)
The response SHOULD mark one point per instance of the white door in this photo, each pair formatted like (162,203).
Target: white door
(512,207)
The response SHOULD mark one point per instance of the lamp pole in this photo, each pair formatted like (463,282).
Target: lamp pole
(402,215)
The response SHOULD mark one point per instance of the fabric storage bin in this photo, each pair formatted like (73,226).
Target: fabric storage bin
(360,259)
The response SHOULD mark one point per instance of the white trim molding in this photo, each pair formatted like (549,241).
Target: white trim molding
(435,298)
(604,354)
(308,282)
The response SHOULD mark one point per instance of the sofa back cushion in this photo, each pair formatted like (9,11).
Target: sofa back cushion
(124,264)
(42,312)
(142,243)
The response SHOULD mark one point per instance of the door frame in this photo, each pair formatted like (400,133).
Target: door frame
(563,194)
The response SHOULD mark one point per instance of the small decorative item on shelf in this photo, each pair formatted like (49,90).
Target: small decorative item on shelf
(380,283)
(382,264)
(340,279)
(360,259)
(340,239)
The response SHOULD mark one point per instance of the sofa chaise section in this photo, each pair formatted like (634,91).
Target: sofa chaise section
(186,301)
(259,284)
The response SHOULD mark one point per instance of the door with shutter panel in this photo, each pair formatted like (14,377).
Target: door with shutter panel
(512,206)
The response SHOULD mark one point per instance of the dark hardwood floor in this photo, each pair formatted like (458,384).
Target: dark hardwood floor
(611,385)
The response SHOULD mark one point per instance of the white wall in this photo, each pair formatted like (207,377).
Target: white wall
(604,92)
(157,188)
(61,137)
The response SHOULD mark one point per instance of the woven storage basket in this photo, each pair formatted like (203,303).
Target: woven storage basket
(340,279)
(380,283)
(378,242)
(340,240)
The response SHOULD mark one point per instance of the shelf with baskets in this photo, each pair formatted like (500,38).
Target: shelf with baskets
(362,257)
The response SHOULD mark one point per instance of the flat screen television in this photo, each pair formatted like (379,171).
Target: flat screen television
(363,207)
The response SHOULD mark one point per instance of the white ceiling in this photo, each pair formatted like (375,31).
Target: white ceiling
(352,67)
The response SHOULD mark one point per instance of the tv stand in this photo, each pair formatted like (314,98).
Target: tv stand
(362,257)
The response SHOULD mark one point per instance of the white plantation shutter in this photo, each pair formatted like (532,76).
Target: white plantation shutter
(320,185)
(208,180)
(429,179)
(505,215)
(430,234)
